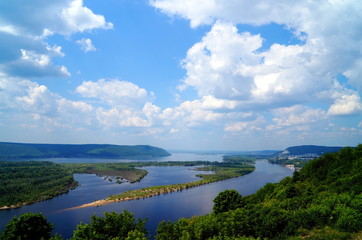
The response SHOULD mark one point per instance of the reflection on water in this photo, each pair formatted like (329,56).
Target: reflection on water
(187,203)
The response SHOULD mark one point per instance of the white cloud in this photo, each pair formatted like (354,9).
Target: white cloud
(346,105)
(231,65)
(245,126)
(214,65)
(228,65)
(23,95)
(86,45)
(36,18)
(115,118)
(24,30)
(297,115)
(240,11)
(114,92)
(78,18)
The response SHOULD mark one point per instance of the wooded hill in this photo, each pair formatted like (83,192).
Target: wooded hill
(322,201)
(309,149)
(31,150)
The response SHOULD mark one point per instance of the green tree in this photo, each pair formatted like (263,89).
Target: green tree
(227,200)
(28,226)
(112,226)
(136,235)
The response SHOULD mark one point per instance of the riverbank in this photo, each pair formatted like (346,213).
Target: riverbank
(220,173)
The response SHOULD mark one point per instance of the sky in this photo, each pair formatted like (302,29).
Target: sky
(182,74)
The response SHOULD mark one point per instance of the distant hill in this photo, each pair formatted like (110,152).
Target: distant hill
(309,149)
(32,150)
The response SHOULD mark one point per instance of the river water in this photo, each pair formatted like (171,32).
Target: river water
(187,203)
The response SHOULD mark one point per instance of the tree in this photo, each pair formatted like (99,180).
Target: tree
(28,226)
(227,200)
(112,226)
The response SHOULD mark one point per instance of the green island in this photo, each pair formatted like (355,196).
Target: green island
(322,201)
(220,171)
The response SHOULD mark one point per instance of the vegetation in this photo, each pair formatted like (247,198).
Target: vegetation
(26,182)
(30,150)
(227,200)
(115,226)
(27,226)
(119,170)
(322,201)
(298,163)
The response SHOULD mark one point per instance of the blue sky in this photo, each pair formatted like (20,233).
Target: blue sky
(182,74)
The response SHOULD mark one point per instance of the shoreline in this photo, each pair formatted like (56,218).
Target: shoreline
(72,186)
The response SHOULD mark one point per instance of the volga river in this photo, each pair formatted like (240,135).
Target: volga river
(195,201)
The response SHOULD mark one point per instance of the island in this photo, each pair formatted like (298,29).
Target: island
(231,167)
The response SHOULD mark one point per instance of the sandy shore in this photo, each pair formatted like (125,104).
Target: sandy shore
(104,202)
(14,206)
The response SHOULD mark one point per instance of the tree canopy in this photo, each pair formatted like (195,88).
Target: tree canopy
(27,226)
(227,200)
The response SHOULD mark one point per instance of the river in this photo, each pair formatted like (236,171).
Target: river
(195,201)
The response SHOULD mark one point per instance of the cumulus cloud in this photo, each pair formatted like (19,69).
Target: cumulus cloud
(37,18)
(78,18)
(24,30)
(346,105)
(86,45)
(214,65)
(227,64)
(297,115)
(209,11)
(114,92)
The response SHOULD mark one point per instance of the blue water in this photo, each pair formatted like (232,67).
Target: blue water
(187,203)
(174,157)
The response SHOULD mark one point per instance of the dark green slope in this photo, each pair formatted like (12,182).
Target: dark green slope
(322,201)
(30,150)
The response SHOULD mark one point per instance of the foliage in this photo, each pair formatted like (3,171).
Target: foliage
(227,200)
(121,170)
(322,201)
(27,226)
(120,226)
(25,182)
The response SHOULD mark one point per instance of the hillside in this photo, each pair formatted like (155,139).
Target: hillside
(31,150)
(309,149)
(322,201)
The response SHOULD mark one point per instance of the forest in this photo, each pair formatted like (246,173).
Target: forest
(322,201)
(27,182)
